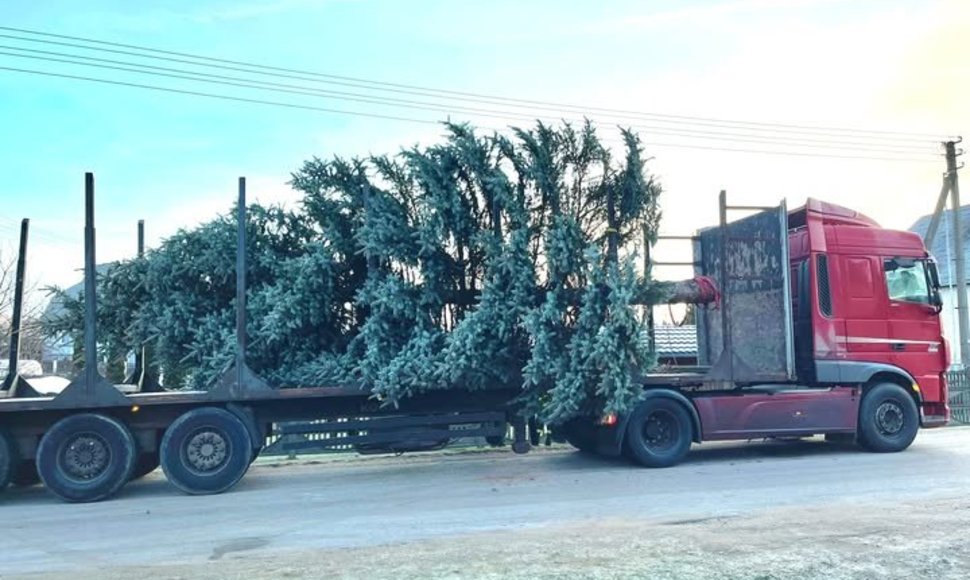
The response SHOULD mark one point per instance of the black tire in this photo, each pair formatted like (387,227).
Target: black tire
(145,464)
(521,447)
(26,475)
(206,451)
(8,460)
(535,437)
(659,433)
(888,419)
(86,457)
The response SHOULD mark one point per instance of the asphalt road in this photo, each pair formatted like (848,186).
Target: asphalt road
(376,501)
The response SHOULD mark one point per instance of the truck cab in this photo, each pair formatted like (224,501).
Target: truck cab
(826,324)
(866,304)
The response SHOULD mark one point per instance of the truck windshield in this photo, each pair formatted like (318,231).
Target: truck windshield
(907,280)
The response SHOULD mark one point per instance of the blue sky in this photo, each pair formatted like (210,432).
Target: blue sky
(173,159)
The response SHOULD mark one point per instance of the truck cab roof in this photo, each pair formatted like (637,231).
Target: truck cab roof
(832,228)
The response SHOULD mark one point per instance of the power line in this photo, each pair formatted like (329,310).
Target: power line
(793,153)
(493,99)
(405,119)
(216,96)
(877,139)
(505,115)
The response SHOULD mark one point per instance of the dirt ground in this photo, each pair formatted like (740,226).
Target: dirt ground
(929,539)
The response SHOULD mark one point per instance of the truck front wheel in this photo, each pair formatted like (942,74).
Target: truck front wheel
(658,433)
(206,451)
(86,457)
(888,419)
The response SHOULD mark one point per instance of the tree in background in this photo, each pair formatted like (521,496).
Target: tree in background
(482,261)
(31,335)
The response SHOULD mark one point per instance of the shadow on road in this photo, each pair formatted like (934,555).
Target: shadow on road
(764,448)
(717,452)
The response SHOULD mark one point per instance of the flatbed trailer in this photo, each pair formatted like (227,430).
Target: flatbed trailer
(765,372)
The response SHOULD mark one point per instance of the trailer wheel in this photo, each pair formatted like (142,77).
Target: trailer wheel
(888,419)
(86,457)
(8,460)
(658,433)
(206,451)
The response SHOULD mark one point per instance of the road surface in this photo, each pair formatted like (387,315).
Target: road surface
(282,517)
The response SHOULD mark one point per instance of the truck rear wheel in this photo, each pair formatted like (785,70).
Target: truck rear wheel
(86,457)
(658,433)
(8,460)
(206,451)
(888,419)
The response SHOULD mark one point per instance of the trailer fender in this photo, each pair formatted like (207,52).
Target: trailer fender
(246,415)
(667,394)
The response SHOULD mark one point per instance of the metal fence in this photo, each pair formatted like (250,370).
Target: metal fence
(959,382)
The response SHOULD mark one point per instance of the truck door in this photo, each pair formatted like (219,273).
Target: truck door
(867,329)
(915,337)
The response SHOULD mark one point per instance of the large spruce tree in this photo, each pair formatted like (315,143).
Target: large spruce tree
(484,261)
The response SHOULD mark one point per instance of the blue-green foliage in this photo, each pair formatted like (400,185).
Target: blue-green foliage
(479,262)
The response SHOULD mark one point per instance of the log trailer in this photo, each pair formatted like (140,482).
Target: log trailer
(817,322)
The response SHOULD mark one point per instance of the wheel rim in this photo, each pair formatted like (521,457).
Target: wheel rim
(206,451)
(890,419)
(84,457)
(659,430)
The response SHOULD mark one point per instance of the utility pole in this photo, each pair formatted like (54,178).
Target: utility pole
(951,189)
(960,283)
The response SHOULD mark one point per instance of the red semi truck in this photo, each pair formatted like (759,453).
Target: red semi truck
(830,327)
(824,324)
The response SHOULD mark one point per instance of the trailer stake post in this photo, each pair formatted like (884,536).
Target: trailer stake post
(241,280)
(14,385)
(239,381)
(90,389)
(142,375)
(727,347)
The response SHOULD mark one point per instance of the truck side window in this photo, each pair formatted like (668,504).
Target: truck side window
(906,280)
(824,291)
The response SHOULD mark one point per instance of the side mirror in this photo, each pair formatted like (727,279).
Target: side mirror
(934,273)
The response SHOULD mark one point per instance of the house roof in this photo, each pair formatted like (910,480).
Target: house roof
(675,341)
(944,234)
(55,307)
